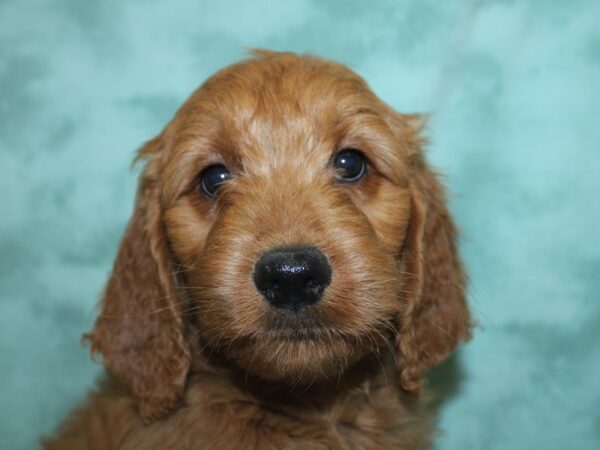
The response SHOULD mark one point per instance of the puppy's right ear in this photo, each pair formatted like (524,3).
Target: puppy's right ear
(139,331)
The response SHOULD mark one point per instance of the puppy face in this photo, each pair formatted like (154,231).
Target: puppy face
(276,133)
(284,207)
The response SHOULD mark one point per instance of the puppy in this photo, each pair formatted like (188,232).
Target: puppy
(287,276)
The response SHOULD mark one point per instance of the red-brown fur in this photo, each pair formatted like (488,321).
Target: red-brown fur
(196,357)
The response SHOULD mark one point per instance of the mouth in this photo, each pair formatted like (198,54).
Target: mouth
(301,334)
(299,326)
(300,347)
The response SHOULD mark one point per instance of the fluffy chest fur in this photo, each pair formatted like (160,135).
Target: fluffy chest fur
(218,415)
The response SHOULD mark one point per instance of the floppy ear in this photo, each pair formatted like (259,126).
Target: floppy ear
(436,318)
(139,330)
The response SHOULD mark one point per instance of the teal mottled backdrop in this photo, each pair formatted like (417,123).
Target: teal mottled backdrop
(514,92)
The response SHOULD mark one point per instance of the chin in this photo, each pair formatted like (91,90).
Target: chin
(300,357)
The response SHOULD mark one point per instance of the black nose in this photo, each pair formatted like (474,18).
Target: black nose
(292,277)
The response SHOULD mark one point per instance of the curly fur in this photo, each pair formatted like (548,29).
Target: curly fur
(196,358)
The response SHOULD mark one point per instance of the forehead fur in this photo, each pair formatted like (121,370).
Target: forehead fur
(281,84)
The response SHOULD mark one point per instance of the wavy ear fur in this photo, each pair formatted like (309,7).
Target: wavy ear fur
(436,318)
(139,331)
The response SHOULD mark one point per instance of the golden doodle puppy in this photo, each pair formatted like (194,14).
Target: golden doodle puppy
(287,276)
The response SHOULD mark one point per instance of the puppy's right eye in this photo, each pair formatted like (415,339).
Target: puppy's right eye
(212,177)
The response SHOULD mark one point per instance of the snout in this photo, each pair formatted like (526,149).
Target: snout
(292,277)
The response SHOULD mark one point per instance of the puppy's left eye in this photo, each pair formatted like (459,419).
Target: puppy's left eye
(350,165)
(212,177)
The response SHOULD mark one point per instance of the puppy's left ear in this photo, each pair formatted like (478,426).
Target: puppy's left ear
(436,317)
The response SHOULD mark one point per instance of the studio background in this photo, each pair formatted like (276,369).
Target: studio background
(514,92)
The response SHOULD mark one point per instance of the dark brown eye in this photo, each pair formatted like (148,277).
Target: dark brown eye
(212,177)
(350,165)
